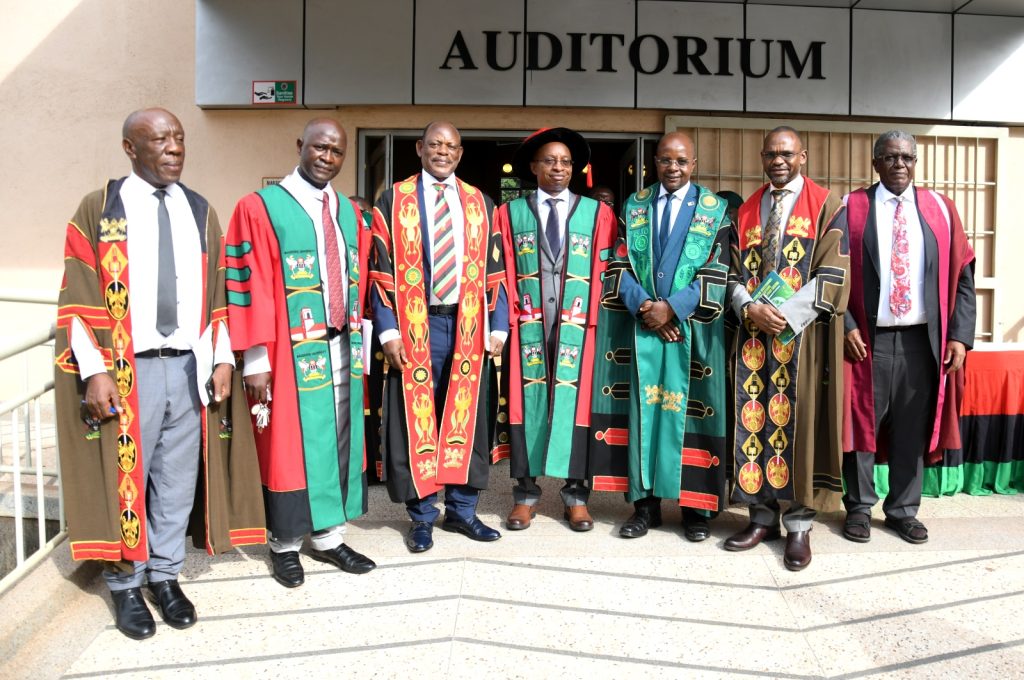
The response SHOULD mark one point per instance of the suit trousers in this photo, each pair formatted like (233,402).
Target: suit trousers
(459,499)
(905,390)
(331,537)
(527,492)
(169,418)
(796,518)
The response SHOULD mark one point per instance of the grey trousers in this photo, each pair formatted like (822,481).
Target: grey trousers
(331,537)
(527,492)
(796,518)
(905,389)
(169,412)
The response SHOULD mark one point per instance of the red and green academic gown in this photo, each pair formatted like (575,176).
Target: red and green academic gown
(788,398)
(560,419)
(951,316)
(102,467)
(677,430)
(422,454)
(275,298)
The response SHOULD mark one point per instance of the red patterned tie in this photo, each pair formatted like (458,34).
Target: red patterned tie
(334,286)
(899,268)
(445,280)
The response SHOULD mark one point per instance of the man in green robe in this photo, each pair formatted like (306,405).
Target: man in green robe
(675,257)
(294,302)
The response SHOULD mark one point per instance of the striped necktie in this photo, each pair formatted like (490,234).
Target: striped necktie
(445,279)
(772,235)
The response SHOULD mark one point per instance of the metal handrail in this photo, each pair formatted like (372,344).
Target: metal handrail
(25,344)
(33,445)
(32,297)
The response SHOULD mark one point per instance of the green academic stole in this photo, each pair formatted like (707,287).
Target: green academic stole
(571,330)
(662,370)
(311,354)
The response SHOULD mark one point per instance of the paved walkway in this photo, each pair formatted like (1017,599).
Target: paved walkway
(550,603)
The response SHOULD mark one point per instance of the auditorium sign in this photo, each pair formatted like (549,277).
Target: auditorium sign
(679,55)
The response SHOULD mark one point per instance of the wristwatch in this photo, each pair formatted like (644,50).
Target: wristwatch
(746,310)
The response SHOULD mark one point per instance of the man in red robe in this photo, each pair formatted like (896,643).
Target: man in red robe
(295,308)
(910,322)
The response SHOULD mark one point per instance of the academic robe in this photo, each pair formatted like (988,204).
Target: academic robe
(275,299)
(787,438)
(677,434)
(422,454)
(550,360)
(101,466)
(950,308)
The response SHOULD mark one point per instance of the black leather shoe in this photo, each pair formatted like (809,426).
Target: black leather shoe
(695,526)
(474,529)
(176,610)
(345,558)
(644,517)
(798,550)
(132,615)
(752,536)
(420,537)
(288,569)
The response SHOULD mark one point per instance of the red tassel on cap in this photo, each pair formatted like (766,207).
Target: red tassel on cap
(590,176)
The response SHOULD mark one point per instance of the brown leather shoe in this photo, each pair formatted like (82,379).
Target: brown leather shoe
(798,550)
(751,536)
(520,517)
(579,518)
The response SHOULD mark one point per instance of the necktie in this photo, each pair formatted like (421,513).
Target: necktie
(445,280)
(899,266)
(770,249)
(334,286)
(166,277)
(553,228)
(666,222)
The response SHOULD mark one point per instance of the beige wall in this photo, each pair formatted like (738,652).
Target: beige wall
(71,71)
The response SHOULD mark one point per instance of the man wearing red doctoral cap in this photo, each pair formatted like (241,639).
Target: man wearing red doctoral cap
(557,247)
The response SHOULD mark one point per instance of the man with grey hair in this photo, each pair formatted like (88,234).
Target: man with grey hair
(909,324)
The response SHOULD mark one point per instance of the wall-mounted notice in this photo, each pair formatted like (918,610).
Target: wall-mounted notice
(273,91)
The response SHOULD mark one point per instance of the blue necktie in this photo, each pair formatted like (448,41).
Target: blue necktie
(666,222)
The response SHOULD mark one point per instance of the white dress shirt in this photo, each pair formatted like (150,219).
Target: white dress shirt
(675,206)
(140,207)
(885,211)
(451,195)
(310,198)
(562,207)
(738,292)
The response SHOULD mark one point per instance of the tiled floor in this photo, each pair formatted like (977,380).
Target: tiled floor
(550,603)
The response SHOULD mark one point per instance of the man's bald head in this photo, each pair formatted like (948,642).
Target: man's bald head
(322,149)
(440,149)
(675,160)
(155,142)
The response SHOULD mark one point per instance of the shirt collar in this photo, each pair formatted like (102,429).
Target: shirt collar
(429,180)
(563,195)
(679,193)
(135,185)
(297,184)
(883,195)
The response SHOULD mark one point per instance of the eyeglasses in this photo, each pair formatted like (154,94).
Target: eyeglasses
(549,162)
(784,155)
(669,162)
(436,145)
(891,159)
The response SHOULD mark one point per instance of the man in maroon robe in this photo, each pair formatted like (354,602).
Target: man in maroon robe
(910,322)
